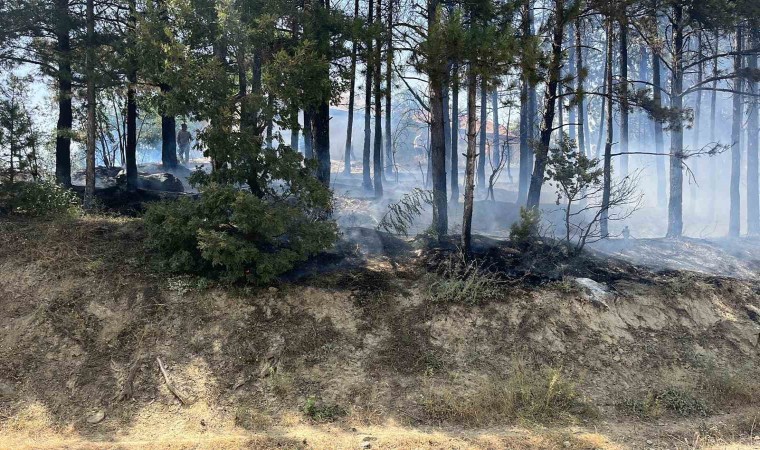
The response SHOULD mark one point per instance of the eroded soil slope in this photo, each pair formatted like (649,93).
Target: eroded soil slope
(353,353)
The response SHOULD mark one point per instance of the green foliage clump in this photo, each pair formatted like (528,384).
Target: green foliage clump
(464,281)
(655,404)
(238,234)
(322,412)
(42,198)
(524,232)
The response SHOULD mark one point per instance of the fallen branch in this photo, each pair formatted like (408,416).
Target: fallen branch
(169,383)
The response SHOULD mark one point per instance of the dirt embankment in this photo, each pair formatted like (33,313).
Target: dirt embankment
(358,356)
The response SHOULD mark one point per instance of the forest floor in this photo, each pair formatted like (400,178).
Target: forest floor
(356,350)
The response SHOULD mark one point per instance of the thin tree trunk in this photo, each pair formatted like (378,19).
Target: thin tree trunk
(437,137)
(65,114)
(603,107)
(624,97)
(675,201)
(607,168)
(496,148)
(389,163)
(550,99)
(526,126)
(455,133)
(659,146)
(295,132)
(131,147)
(378,148)
(483,133)
(734,224)
(697,125)
(351,95)
(713,112)
(580,90)
(572,120)
(89,191)
(469,184)
(367,150)
(753,193)
(321,140)
(308,134)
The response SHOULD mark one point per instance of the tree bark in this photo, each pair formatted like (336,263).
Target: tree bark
(675,200)
(454,175)
(389,163)
(351,94)
(321,140)
(437,138)
(65,113)
(308,134)
(580,89)
(496,148)
(130,152)
(607,168)
(469,184)
(659,146)
(89,190)
(367,150)
(624,96)
(697,125)
(378,148)
(753,191)
(483,133)
(734,223)
(550,99)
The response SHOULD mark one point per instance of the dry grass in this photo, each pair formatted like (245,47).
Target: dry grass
(541,397)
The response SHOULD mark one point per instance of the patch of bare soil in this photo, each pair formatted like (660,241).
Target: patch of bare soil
(355,355)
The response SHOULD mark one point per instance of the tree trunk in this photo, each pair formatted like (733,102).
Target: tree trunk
(659,146)
(580,89)
(603,107)
(469,184)
(496,148)
(378,148)
(295,133)
(526,123)
(571,119)
(624,97)
(65,114)
(550,99)
(483,133)
(130,152)
(89,190)
(697,125)
(367,151)
(308,134)
(607,168)
(454,176)
(321,140)
(389,163)
(675,201)
(437,137)
(351,95)
(713,112)
(734,223)
(753,193)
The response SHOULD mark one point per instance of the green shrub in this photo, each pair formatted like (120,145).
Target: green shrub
(525,231)
(322,412)
(42,198)
(239,235)
(654,404)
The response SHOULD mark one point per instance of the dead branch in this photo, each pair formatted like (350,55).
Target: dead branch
(169,383)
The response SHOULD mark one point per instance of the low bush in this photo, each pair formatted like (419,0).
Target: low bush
(43,198)
(236,234)
(460,280)
(526,231)
(322,412)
